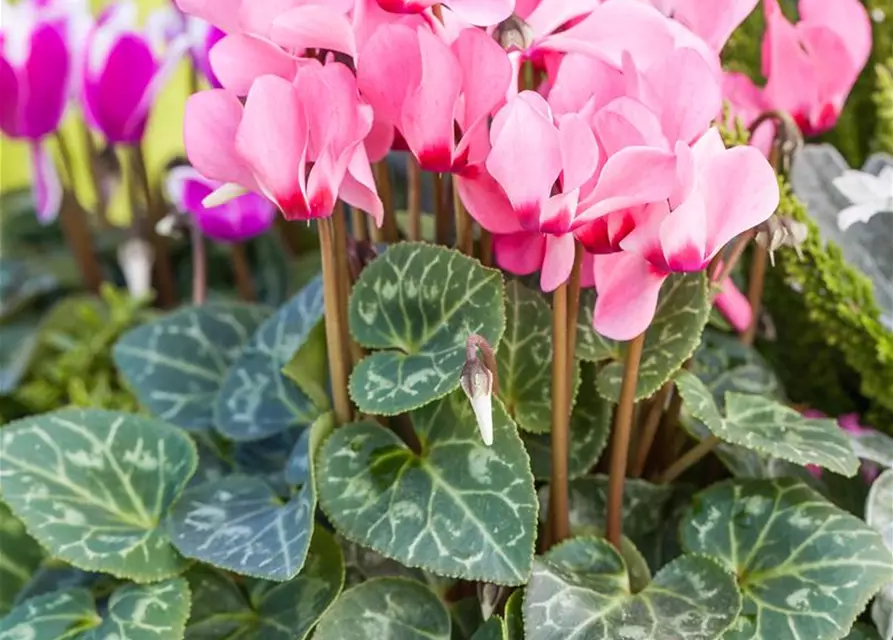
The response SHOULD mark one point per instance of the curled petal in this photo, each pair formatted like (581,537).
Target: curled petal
(628,288)
(237,60)
(209,131)
(46,184)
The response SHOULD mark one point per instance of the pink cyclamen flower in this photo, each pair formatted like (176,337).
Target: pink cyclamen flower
(122,75)
(427,88)
(542,174)
(236,220)
(810,66)
(36,70)
(168,24)
(724,192)
(482,13)
(714,22)
(300,144)
(733,305)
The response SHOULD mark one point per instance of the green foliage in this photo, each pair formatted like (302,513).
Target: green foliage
(417,304)
(883,100)
(839,311)
(20,555)
(581,588)
(459,508)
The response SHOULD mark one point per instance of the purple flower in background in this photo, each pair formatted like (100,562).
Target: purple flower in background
(236,220)
(122,74)
(38,41)
(168,24)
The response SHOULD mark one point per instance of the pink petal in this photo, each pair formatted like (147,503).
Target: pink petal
(792,84)
(428,115)
(628,288)
(557,213)
(579,152)
(358,187)
(549,15)
(380,140)
(314,26)
(45,183)
(482,13)
(558,261)
(239,59)
(605,234)
(487,202)
(257,17)
(46,75)
(683,235)
(626,122)
(846,18)
(634,176)
(223,14)
(520,253)
(526,155)
(486,75)
(741,191)
(714,22)
(389,65)
(209,132)
(745,97)
(581,79)
(272,138)
(734,306)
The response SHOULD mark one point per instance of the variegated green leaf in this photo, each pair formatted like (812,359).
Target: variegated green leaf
(256,400)
(145,612)
(466,617)
(873,446)
(723,363)
(525,359)
(514,615)
(20,555)
(94,486)
(176,365)
(580,589)
(643,504)
(879,514)
(671,338)
(862,632)
(591,345)
(805,568)
(391,608)
(54,616)
(417,304)
(259,609)
(240,524)
(770,428)
(363,564)
(590,429)
(459,509)
(54,576)
(882,612)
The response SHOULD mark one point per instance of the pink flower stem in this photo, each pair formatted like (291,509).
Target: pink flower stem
(486,248)
(199,265)
(692,457)
(352,352)
(72,218)
(441,212)
(559,517)
(573,310)
(623,422)
(414,197)
(733,259)
(649,429)
(464,228)
(242,272)
(755,285)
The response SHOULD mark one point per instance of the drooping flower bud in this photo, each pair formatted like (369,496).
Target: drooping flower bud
(779,231)
(477,381)
(136,257)
(514,33)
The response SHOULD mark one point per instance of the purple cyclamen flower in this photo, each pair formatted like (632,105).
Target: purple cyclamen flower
(122,74)
(38,40)
(169,23)
(236,220)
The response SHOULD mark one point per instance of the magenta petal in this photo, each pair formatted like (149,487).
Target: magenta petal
(47,70)
(734,306)
(520,253)
(9,100)
(628,288)
(45,183)
(558,261)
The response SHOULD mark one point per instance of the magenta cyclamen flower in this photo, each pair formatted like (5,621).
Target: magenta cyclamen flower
(38,47)
(122,75)
(300,144)
(167,25)
(236,220)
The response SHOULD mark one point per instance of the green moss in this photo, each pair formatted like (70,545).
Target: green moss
(883,101)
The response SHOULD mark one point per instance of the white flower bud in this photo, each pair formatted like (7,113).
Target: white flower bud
(477,383)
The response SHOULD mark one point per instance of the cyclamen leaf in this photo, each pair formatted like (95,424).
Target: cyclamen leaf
(268,459)
(723,363)
(873,446)
(590,428)
(460,509)
(20,556)
(221,608)
(176,365)
(418,303)
(52,577)
(256,400)
(805,568)
(591,345)
(671,338)
(879,514)
(362,564)
(391,608)
(514,615)
(770,428)
(580,588)
(524,360)
(882,612)
(238,523)
(93,487)
(466,618)
(135,612)
(493,629)
(862,632)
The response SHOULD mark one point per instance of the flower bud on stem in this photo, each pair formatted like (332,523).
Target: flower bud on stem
(479,380)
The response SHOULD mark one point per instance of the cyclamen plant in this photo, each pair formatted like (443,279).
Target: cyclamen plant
(416,443)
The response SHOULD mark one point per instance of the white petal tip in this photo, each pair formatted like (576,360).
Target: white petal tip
(224,194)
(483,412)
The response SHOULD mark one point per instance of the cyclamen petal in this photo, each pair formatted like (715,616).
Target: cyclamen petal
(628,288)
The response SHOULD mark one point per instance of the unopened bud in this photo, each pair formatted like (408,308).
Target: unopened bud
(779,232)
(787,142)
(173,225)
(136,257)
(489,596)
(477,381)
(514,33)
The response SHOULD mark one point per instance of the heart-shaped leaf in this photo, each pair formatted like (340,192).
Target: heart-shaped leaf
(135,612)
(879,514)
(591,345)
(20,556)
(805,568)
(94,486)
(770,428)
(268,459)
(580,588)
(240,524)
(52,576)
(590,428)
(223,608)
(459,509)
(418,304)
(176,365)
(391,608)
(671,338)
(525,360)
(256,399)
(724,363)
(643,504)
